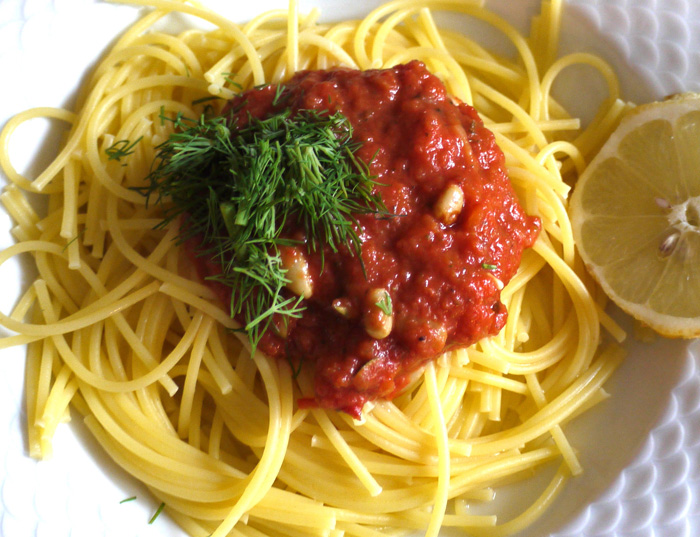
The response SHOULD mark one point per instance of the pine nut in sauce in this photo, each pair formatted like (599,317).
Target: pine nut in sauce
(298,273)
(377,319)
(449,205)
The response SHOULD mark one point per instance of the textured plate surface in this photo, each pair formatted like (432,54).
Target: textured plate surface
(640,449)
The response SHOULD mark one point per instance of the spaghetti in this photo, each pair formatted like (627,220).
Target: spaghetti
(117,325)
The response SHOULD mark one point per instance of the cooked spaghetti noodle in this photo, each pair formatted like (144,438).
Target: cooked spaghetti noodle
(117,326)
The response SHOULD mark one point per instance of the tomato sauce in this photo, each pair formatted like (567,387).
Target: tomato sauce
(458,234)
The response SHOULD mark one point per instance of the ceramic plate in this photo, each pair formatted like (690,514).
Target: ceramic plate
(640,449)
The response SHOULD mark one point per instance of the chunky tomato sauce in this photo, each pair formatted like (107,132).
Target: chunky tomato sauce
(459,234)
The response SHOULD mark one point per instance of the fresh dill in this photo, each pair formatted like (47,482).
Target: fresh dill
(228,78)
(488,266)
(205,100)
(385,304)
(157,513)
(279,92)
(126,500)
(78,236)
(122,148)
(237,188)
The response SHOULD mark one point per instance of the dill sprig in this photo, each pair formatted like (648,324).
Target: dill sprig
(239,187)
(157,513)
(122,148)
(385,304)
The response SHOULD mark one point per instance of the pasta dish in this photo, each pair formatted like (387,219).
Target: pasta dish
(132,324)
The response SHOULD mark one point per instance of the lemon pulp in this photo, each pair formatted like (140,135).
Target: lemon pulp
(636,216)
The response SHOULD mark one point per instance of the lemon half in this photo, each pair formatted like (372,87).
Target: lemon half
(635,213)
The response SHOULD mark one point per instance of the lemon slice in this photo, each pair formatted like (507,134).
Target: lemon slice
(635,213)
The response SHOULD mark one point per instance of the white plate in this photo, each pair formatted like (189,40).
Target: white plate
(640,450)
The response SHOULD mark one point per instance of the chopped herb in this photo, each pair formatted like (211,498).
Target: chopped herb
(205,100)
(296,371)
(128,500)
(385,304)
(121,149)
(157,513)
(278,95)
(487,266)
(80,234)
(228,78)
(237,187)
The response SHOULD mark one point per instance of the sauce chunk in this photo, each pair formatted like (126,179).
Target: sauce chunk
(430,275)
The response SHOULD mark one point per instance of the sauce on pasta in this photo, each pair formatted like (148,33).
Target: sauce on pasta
(453,237)
(122,334)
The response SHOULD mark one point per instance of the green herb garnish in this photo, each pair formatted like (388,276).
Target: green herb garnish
(157,513)
(487,266)
(205,100)
(121,149)
(80,234)
(228,77)
(238,187)
(385,304)
(128,500)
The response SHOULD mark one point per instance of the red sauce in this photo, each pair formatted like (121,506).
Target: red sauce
(439,270)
